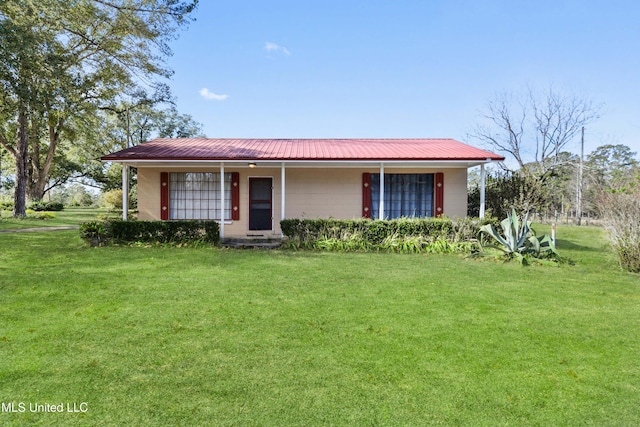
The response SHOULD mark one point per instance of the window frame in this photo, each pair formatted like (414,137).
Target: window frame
(416,199)
(199,208)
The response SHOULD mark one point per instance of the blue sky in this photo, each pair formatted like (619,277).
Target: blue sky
(405,69)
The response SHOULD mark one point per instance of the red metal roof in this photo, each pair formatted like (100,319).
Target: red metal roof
(302,149)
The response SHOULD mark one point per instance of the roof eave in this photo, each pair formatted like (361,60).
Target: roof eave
(173,162)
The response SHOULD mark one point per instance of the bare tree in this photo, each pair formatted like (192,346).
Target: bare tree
(503,126)
(534,128)
(558,119)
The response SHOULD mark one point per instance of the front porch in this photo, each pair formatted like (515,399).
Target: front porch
(253,200)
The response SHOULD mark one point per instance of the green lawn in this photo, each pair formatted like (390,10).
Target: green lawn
(202,336)
(68,216)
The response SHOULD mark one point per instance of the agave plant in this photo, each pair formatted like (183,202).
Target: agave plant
(517,239)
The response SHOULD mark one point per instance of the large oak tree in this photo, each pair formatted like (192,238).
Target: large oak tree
(62,59)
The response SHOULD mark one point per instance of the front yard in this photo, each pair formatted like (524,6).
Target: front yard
(66,217)
(203,336)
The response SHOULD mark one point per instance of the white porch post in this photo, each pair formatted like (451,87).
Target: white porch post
(221,200)
(482,190)
(282,192)
(125,191)
(381,206)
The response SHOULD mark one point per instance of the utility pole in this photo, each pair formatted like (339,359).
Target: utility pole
(579,187)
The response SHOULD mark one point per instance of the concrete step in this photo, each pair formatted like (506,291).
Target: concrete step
(251,243)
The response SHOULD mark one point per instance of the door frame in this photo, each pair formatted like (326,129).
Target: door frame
(249,178)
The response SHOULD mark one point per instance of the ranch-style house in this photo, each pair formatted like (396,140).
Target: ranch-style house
(249,185)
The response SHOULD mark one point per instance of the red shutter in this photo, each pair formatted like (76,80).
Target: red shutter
(235,196)
(164,196)
(366,195)
(439,202)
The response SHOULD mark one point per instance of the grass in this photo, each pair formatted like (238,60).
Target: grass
(66,217)
(202,336)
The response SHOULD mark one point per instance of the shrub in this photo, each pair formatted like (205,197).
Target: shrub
(46,206)
(40,215)
(398,235)
(517,240)
(112,199)
(523,190)
(621,213)
(374,231)
(346,243)
(55,206)
(119,231)
(94,232)
(37,206)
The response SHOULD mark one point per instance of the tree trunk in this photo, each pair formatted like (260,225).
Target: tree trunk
(22,165)
(39,178)
(33,173)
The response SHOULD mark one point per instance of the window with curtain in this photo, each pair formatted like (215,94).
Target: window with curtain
(405,195)
(196,195)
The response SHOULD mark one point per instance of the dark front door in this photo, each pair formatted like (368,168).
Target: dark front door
(260,203)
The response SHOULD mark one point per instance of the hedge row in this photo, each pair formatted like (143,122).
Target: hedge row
(36,206)
(119,231)
(46,206)
(307,231)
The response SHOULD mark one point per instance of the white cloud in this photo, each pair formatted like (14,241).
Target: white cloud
(204,92)
(273,47)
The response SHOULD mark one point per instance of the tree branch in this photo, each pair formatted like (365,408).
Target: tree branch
(6,145)
(177,12)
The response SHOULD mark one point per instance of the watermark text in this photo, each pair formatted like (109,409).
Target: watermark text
(44,407)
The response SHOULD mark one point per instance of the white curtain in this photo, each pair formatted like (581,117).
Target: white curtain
(196,195)
(405,195)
